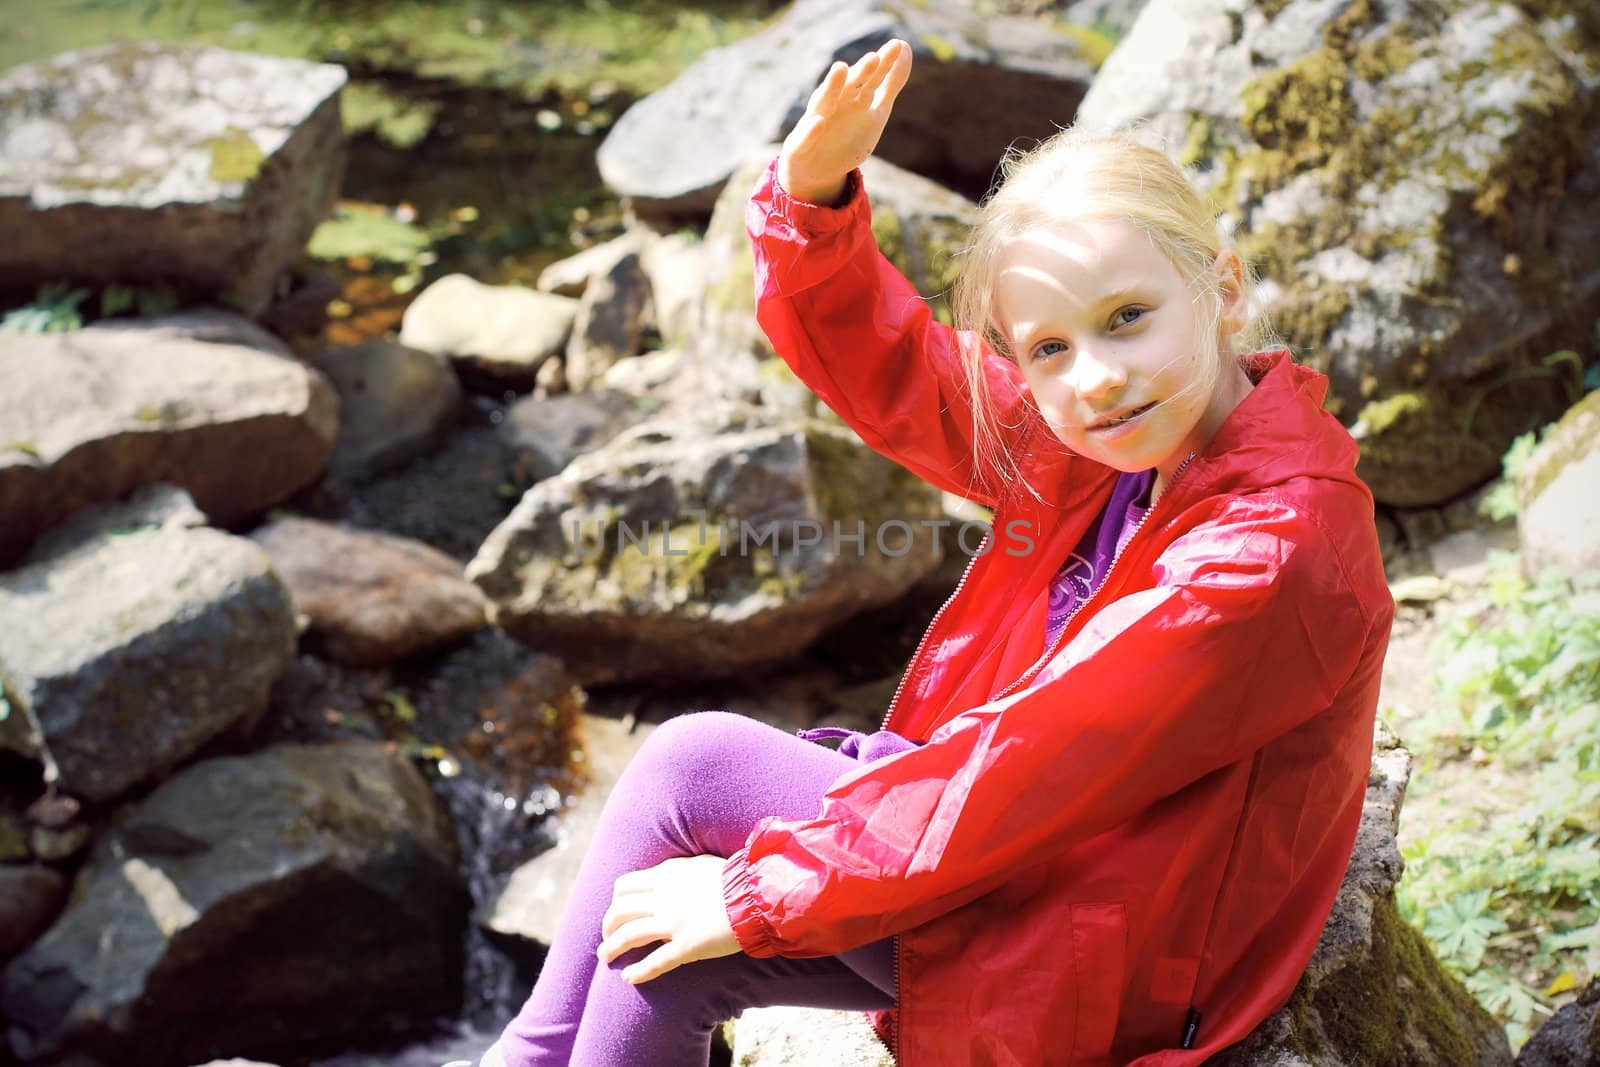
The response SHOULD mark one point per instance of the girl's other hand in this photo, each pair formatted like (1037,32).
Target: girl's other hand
(678,902)
(842,124)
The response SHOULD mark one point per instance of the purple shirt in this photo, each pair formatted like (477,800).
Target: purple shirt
(1086,564)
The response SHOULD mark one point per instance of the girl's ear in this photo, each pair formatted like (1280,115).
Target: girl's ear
(1233,312)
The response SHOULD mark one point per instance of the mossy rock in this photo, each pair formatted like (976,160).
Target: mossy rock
(1558,513)
(695,545)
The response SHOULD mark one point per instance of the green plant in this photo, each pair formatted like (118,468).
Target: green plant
(1500,502)
(54,310)
(1509,894)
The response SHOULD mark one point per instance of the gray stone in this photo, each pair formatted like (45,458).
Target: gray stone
(1114,16)
(1558,509)
(146,163)
(1416,181)
(371,597)
(159,506)
(30,897)
(495,333)
(395,403)
(128,654)
(298,892)
(683,549)
(1570,1037)
(89,416)
(609,323)
(672,152)
(553,431)
(570,276)
(806,1037)
(675,265)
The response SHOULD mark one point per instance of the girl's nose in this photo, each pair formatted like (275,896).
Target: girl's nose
(1094,376)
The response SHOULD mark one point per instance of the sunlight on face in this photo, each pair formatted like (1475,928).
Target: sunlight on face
(1110,339)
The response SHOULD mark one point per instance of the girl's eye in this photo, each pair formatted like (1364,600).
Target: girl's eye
(1048,349)
(1135,312)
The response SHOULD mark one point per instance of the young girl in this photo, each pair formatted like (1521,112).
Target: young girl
(1118,787)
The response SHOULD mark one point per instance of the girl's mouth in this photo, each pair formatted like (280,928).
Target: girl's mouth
(1110,425)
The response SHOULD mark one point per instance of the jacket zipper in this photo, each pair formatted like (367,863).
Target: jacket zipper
(1105,578)
(911,666)
(916,655)
(894,1043)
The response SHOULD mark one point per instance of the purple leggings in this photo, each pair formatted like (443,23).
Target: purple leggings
(698,784)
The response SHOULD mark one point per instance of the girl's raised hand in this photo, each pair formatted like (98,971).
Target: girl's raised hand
(842,124)
(678,902)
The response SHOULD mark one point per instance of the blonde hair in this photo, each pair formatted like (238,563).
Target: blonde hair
(1077,174)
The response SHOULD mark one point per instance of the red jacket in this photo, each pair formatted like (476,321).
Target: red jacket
(1152,820)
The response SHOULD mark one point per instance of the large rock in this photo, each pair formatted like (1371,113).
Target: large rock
(395,403)
(30,896)
(129,652)
(698,545)
(1570,1037)
(158,506)
(1417,181)
(495,334)
(610,321)
(917,223)
(1558,510)
(550,432)
(252,902)
(88,416)
(673,151)
(1372,993)
(147,163)
(371,597)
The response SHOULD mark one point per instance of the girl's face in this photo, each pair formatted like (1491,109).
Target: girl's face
(1109,337)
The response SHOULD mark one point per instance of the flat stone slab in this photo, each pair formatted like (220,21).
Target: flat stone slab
(149,163)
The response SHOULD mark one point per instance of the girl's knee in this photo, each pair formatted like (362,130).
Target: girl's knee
(690,747)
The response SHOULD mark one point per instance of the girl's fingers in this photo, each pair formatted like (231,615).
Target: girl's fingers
(664,959)
(861,73)
(821,96)
(895,75)
(623,910)
(630,935)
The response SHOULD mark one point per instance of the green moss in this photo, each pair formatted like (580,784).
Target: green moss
(942,49)
(235,157)
(1381,416)
(1368,1011)
(1300,111)
(849,482)
(1093,45)
(1576,436)
(1302,1032)
(1536,166)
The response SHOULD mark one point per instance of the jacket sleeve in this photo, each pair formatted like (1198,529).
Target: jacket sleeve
(855,330)
(1251,629)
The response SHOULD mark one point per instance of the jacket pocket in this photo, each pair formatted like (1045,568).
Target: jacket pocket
(1099,962)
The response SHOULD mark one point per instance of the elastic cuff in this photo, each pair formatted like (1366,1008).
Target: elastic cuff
(813,219)
(750,927)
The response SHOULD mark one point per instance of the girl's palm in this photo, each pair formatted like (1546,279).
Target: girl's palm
(843,121)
